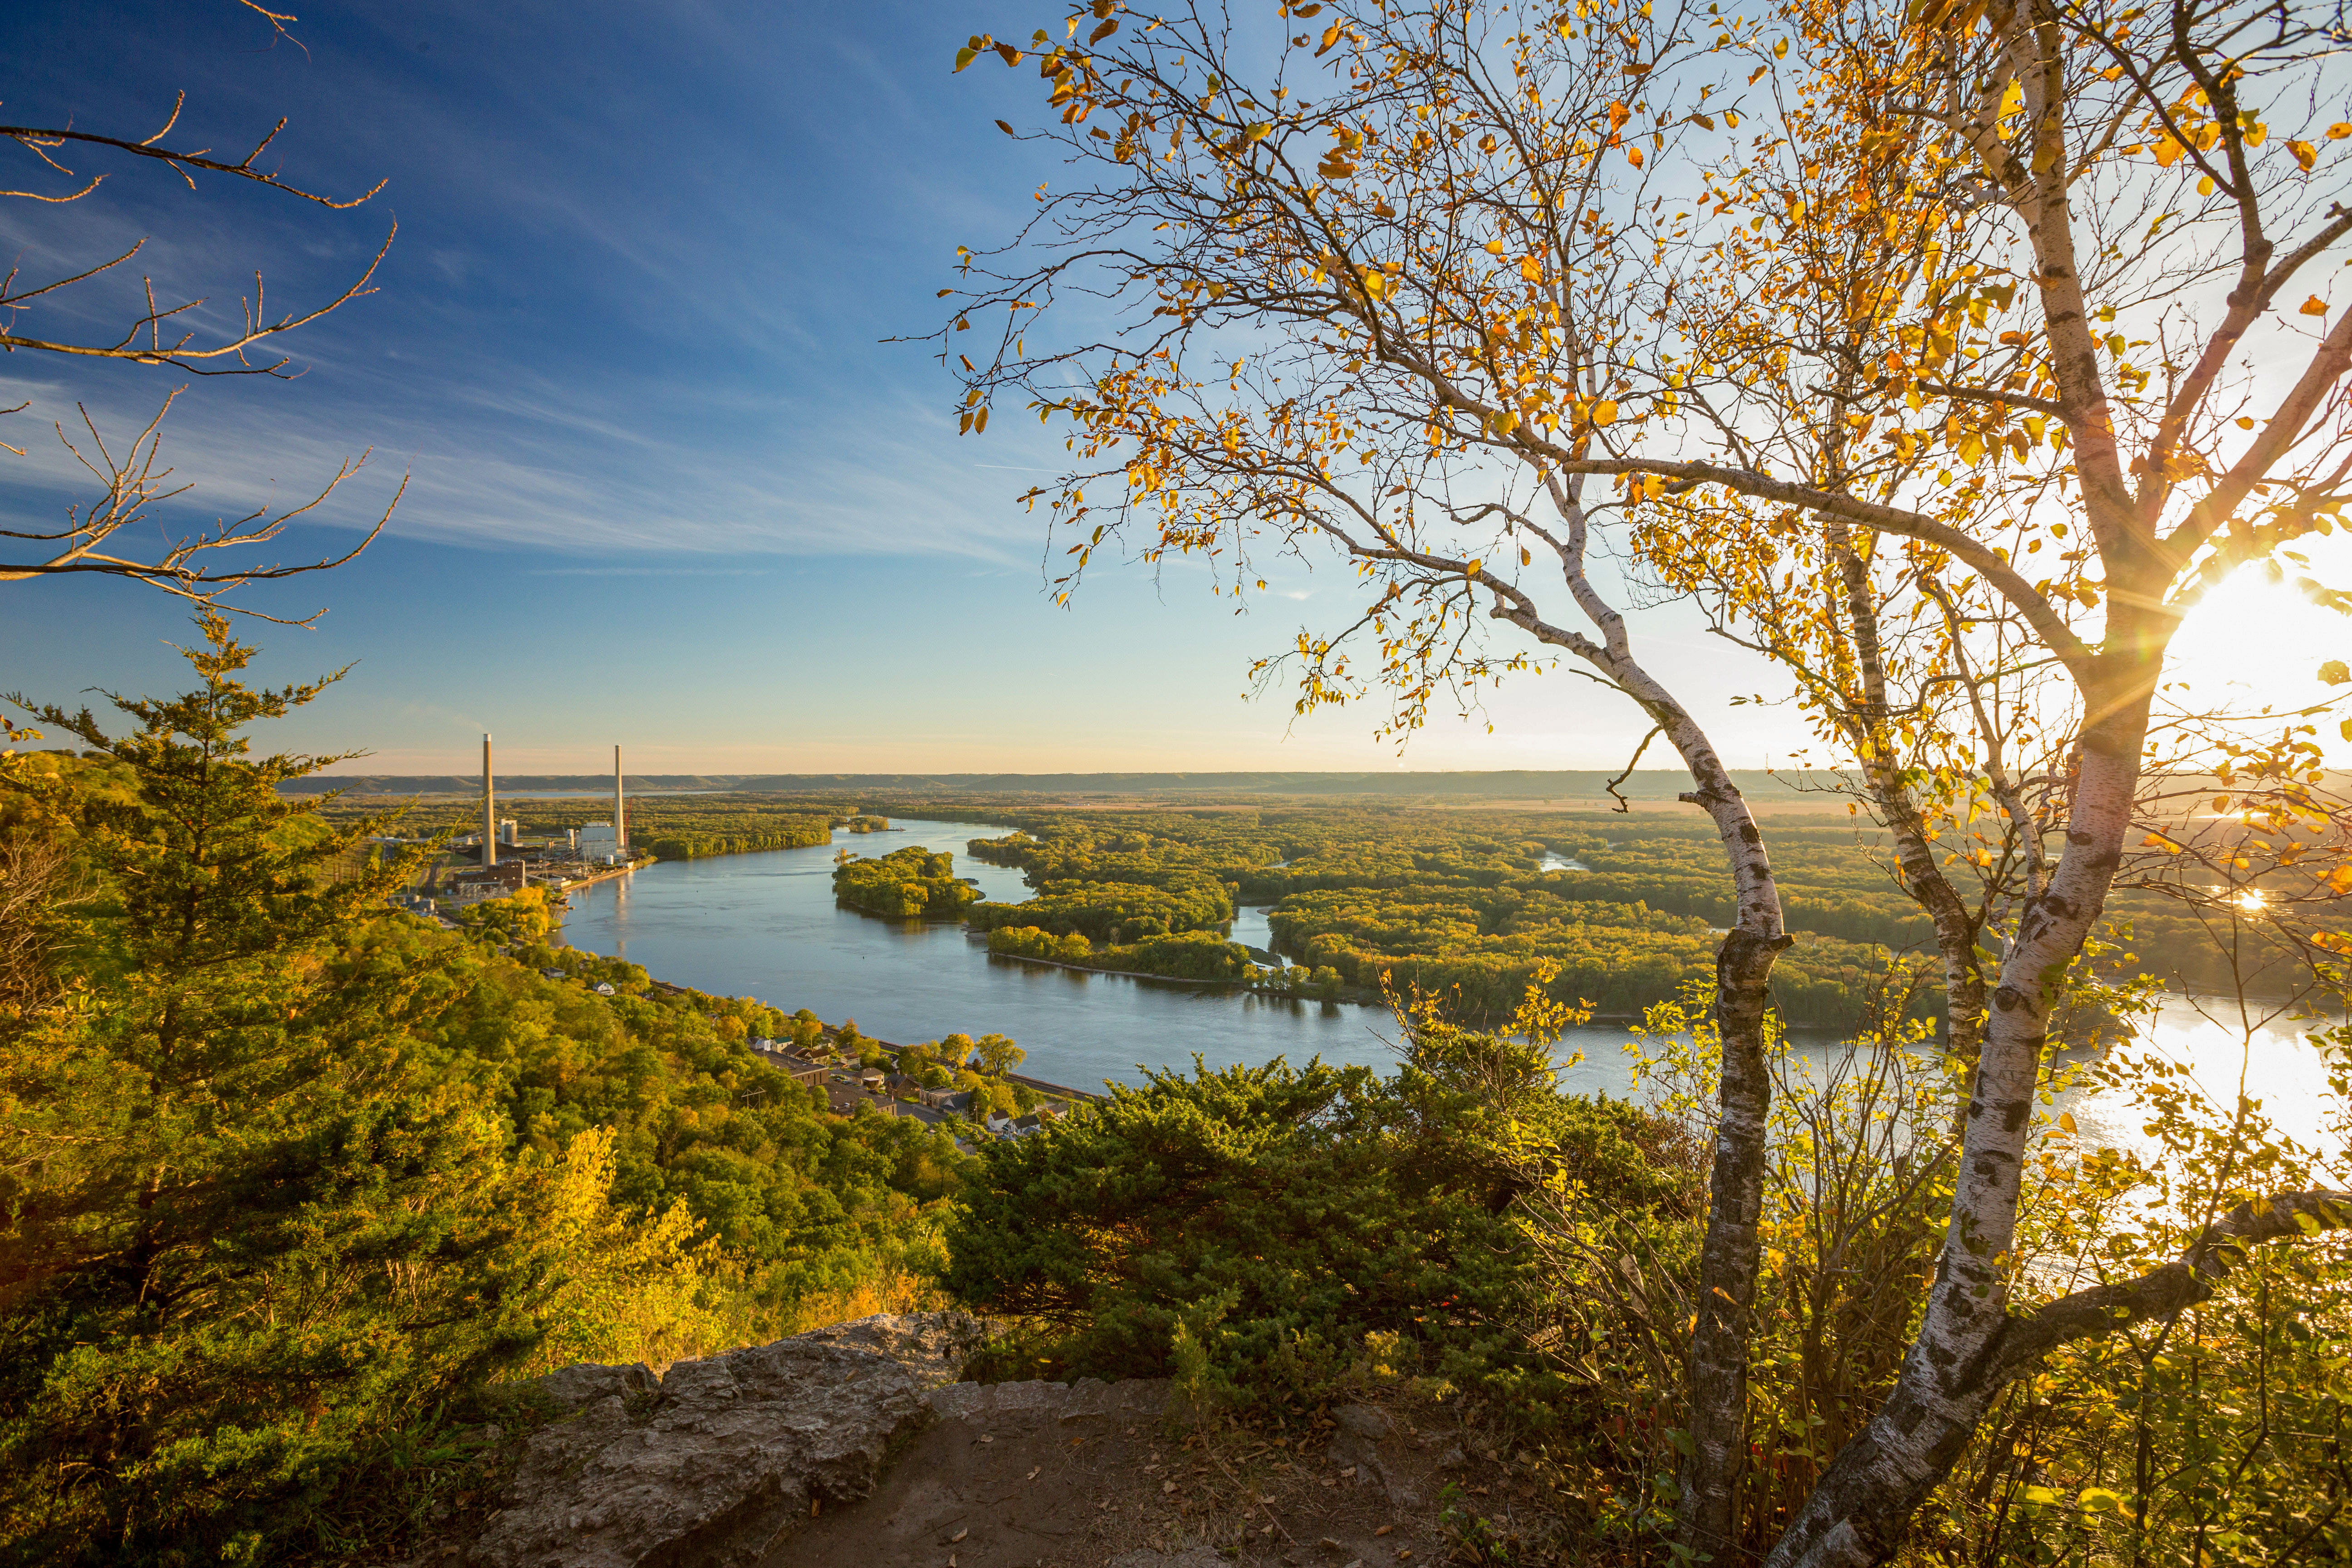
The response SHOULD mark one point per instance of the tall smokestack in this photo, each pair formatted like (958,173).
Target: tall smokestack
(489,810)
(620,808)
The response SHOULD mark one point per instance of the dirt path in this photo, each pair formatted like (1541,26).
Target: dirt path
(1038,1475)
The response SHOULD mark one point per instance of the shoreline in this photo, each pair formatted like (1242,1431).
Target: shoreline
(1144,974)
(605,875)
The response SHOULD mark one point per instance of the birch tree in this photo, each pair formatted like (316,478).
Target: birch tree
(1369,290)
(1960,217)
(61,166)
(1500,280)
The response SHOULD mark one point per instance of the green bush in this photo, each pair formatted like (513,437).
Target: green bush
(1269,1225)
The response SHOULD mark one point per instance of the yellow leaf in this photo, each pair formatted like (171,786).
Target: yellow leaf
(1531,270)
(2304,153)
(2204,184)
(2066,1120)
(2340,130)
(1781,50)
(1633,154)
(2314,306)
(1376,283)
(2167,152)
(1604,412)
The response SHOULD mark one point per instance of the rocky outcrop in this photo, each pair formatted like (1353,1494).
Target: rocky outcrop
(714,1461)
(856,1445)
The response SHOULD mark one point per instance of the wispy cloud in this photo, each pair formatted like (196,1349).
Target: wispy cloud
(647,572)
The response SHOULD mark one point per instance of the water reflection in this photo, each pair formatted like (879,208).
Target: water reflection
(2272,1061)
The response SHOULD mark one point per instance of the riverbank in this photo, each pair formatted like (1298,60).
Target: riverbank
(571,883)
(1135,973)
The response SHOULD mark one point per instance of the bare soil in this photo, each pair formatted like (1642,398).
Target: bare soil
(1053,1489)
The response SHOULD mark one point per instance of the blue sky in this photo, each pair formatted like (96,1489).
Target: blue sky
(668,486)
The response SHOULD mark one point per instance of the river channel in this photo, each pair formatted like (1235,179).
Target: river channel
(766,925)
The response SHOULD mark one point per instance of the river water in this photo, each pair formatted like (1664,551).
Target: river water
(766,925)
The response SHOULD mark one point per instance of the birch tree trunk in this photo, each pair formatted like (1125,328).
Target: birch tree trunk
(1707,1512)
(1857,1514)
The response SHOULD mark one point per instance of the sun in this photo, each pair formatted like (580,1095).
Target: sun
(2252,642)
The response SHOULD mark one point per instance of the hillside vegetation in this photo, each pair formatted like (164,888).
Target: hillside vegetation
(297,1182)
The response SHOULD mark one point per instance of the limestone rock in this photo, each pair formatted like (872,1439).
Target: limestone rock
(716,1460)
(1362,1428)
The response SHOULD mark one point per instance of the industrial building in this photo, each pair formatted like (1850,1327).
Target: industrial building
(501,875)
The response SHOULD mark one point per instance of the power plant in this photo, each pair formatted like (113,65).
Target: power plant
(561,861)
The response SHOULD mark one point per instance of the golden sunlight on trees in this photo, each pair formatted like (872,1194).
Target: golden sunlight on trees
(1948,354)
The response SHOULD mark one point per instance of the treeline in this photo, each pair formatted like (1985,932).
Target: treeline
(670,827)
(1183,956)
(1470,904)
(297,1184)
(1114,887)
(913,883)
(681,844)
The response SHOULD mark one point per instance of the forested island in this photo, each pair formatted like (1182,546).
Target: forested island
(906,884)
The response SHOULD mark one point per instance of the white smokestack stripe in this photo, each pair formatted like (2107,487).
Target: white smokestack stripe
(489,809)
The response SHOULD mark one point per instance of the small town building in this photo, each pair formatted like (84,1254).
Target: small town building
(798,1068)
